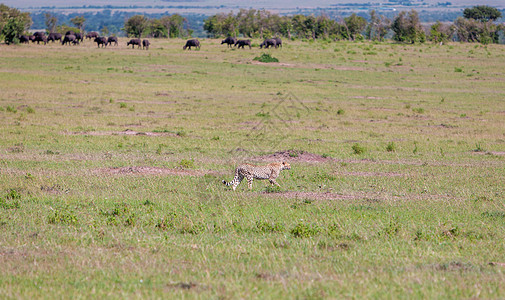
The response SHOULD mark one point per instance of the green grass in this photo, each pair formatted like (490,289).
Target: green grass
(111,163)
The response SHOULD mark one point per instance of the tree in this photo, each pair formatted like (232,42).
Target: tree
(378,26)
(51,21)
(136,25)
(79,22)
(355,25)
(407,28)
(440,32)
(482,13)
(471,30)
(13,23)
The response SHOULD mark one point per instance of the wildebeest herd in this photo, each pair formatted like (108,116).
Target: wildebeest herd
(75,38)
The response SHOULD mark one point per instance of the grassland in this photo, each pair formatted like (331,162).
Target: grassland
(111,163)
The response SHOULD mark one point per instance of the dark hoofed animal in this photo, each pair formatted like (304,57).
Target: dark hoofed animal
(68,39)
(24,39)
(79,37)
(268,43)
(134,42)
(278,41)
(54,36)
(242,43)
(230,41)
(145,44)
(101,41)
(31,38)
(39,33)
(92,35)
(112,39)
(40,38)
(192,43)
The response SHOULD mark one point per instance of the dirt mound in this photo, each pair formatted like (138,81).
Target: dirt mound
(150,171)
(294,155)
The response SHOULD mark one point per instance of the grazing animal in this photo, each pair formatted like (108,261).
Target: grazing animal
(134,42)
(79,37)
(145,44)
(92,35)
(112,39)
(101,41)
(39,33)
(54,36)
(24,39)
(40,38)
(268,43)
(192,43)
(31,38)
(242,43)
(230,41)
(278,42)
(251,172)
(68,39)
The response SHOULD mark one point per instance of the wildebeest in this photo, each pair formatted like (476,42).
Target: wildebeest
(192,43)
(24,39)
(230,41)
(31,38)
(145,44)
(79,37)
(134,42)
(242,43)
(68,39)
(54,36)
(70,32)
(39,33)
(101,41)
(112,39)
(91,35)
(40,38)
(268,43)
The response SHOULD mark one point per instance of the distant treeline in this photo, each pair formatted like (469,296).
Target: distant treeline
(476,25)
(113,22)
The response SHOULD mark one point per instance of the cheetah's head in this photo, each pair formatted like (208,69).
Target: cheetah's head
(285,166)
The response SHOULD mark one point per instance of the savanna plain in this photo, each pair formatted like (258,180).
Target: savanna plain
(111,163)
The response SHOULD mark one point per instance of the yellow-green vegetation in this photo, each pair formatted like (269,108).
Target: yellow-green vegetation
(111,163)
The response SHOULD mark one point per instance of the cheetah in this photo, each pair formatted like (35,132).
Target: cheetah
(251,172)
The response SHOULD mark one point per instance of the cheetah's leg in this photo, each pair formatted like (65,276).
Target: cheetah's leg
(238,181)
(250,181)
(273,182)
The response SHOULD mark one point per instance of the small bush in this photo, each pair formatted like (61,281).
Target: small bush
(11,109)
(418,110)
(266,227)
(302,230)
(61,217)
(122,105)
(266,58)
(272,189)
(30,110)
(187,164)
(358,149)
(340,112)
(391,147)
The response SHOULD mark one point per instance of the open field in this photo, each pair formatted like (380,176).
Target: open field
(111,163)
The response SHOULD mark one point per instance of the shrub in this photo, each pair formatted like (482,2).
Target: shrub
(266,227)
(187,164)
(266,58)
(391,147)
(358,149)
(61,217)
(302,230)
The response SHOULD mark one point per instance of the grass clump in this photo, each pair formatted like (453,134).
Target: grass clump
(62,217)
(391,147)
(266,58)
(187,163)
(358,149)
(302,230)
(266,227)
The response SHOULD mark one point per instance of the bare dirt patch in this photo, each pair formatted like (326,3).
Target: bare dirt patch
(293,155)
(151,171)
(125,132)
(369,196)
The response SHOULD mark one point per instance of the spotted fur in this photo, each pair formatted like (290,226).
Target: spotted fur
(251,172)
